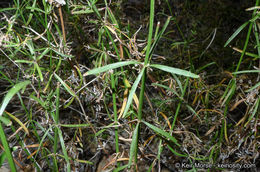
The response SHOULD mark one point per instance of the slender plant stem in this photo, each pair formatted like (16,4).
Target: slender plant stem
(179,104)
(115,110)
(141,96)
(56,118)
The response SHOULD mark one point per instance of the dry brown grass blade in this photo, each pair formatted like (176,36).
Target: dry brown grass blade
(236,104)
(167,120)
(150,138)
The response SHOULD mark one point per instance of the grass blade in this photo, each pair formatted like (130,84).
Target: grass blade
(174,70)
(66,157)
(162,132)
(7,149)
(134,145)
(236,33)
(66,86)
(19,122)
(158,37)
(246,71)
(6,121)
(132,92)
(11,93)
(109,67)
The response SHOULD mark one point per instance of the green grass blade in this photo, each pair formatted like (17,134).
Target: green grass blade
(176,153)
(167,88)
(158,37)
(39,71)
(39,101)
(24,61)
(236,33)
(64,150)
(246,71)
(6,121)
(120,168)
(109,67)
(134,145)
(7,149)
(179,83)
(31,14)
(150,34)
(65,86)
(253,113)
(162,132)
(74,125)
(11,93)
(230,92)
(43,53)
(132,91)
(2,158)
(254,87)
(174,70)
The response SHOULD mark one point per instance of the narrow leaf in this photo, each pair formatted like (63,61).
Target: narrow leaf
(109,67)
(246,71)
(6,121)
(24,61)
(39,71)
(132,92)
(65,86)
(18,121)
(176,153)
(74,125)
(134,145)
(11,93)
(236,33)
(162,132)
(254,87)
(64,150)
(174,70)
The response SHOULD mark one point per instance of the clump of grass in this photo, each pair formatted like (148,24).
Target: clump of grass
(69,116)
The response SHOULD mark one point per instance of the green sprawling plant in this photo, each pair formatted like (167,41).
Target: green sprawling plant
(55,125)
(142,77)
(231,88)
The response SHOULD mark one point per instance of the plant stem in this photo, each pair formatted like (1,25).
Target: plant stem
(141,96)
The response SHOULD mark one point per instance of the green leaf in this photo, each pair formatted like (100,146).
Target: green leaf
(11,93)
(6,121)
(162,132)
(174,70)
(109,67)
(246,71)
(230,93)
(39,101)
(254,87)
(64,150)
(158,37)
(176,153)
(254,112)
(61,54)
(132,91)
(39,71)
(134,145)
(2,158)
(236,33)
(65,86)
(120,168)
(43,53)
(24,61)
(169,89)
(7,149)
(74,125)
